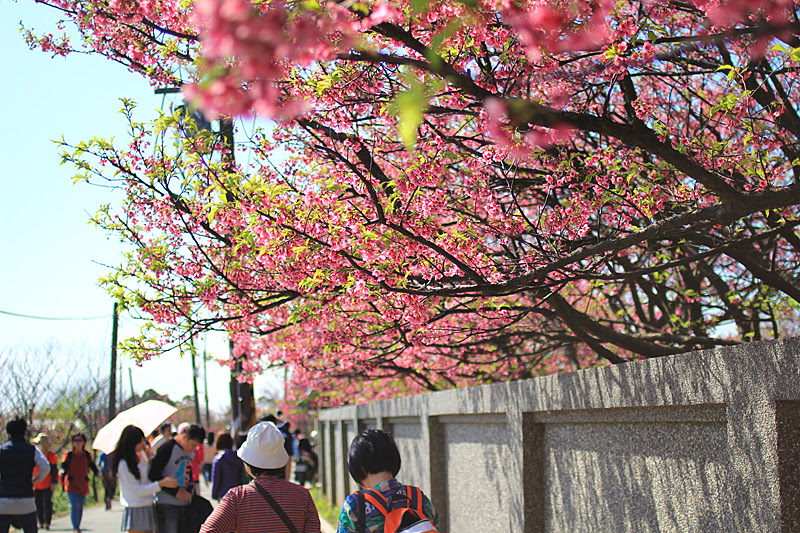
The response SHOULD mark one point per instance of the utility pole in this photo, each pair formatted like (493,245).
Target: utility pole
(226,132)
(133,394)
(112,381)
(194,382)
(120,396)
(205,383)
(243,400)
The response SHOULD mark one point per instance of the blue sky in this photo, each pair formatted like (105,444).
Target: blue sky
(50,256)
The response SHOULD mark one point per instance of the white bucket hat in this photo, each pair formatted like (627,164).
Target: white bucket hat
(264,447)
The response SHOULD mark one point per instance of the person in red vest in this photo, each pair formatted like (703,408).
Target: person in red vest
(75,476)
(43,490)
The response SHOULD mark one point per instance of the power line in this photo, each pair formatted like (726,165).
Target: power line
(9,313)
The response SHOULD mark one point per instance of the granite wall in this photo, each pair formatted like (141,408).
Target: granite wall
(707,441)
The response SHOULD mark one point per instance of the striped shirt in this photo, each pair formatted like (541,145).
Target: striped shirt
(244,510)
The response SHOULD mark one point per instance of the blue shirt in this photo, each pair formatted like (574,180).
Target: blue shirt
(104,462)
(349,516)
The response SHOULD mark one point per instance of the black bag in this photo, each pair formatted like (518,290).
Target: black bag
(195,514)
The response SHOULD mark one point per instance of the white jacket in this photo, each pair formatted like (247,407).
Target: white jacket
(136,492)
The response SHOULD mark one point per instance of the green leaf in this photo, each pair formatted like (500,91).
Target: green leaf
(436,42)
(419,6)
(410,106)
(213,213)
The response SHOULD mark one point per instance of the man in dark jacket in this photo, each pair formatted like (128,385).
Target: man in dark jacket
(17,459)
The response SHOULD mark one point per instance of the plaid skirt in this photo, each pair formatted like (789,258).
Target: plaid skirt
(139,518)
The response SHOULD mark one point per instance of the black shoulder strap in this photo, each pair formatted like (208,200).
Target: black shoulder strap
(362,512)
(277,508)
(90,463)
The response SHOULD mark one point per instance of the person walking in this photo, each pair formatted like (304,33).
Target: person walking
(18,459)
(226,468)
(109,479)
(174,459)
(43,490)
(268,503)
(130,464)
(209,451)
(305,463)
(164,435)
(197,463)
(374,462)
(75,466)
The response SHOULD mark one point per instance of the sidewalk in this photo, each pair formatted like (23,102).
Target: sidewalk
(97,520)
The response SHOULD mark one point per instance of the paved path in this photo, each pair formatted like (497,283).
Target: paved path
(97,520)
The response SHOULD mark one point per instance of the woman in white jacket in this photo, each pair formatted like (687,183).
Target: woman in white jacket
(131,465)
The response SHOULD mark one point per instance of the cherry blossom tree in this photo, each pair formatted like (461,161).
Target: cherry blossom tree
(454,192)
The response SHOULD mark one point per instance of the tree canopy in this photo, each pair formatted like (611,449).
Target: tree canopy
(454,192)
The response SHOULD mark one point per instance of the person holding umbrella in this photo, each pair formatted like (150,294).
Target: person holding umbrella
(137,492)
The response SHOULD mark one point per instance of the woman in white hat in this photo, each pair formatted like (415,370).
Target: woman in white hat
(268,504)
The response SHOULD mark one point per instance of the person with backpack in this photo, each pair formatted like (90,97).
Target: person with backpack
(75,468)
(383,505)
(305,462)
(268,503)
(18,459)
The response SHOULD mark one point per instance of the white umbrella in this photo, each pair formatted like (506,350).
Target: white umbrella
(146,416)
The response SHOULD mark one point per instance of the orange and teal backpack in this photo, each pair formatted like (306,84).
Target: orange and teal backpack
(403,513)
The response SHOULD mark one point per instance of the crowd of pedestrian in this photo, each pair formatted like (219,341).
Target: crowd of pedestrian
(159,480)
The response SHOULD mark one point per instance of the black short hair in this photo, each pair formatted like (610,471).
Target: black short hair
(195,432)
(276,472)
(16,428)
(371,452)
(269,417)
(165,426)
(304,445)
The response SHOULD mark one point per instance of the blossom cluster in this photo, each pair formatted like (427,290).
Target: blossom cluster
(582,181)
